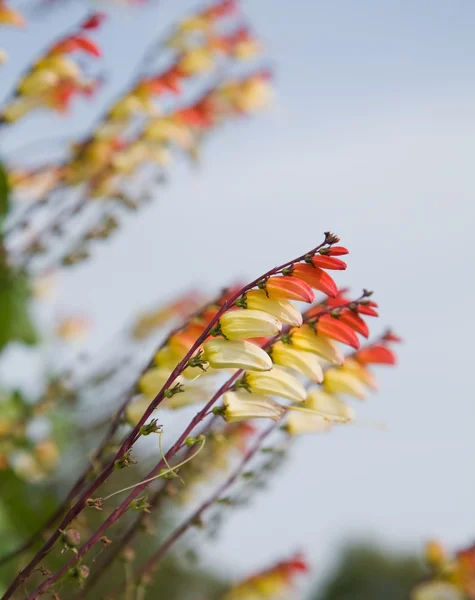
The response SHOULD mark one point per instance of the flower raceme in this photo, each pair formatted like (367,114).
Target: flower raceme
(9,16)
(270,583)
(452,577)
(236,326)
(54,79)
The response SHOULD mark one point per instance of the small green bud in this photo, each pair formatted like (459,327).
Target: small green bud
(71,538)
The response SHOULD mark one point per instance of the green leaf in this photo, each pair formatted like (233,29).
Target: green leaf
(4,193)
(15,320)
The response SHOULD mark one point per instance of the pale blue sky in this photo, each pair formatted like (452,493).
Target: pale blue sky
(372,136)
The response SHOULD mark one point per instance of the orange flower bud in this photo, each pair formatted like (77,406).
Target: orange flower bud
(331,327)
(377,355)
(290,288)
(328,262)
(316,278)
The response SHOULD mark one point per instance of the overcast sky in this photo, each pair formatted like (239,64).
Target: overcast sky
(372,136)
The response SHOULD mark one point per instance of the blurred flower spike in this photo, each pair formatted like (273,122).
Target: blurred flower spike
(453,577)
(270,583)
(55,78)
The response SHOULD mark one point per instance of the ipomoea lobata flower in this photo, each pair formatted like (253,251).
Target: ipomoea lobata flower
(284,286)
(305,363)
(240,406)
(361,372)
(299,423)
(281,308)
(331,407)
(277,382)
(339,381)
(317,278)
(306,339)
(248,323)
(236,354)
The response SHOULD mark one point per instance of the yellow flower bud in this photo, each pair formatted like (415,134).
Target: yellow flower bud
(247,323)
(361,372)
(276,383)
(196,60)
(338,381)
(240,406)
(306,339)
(281,308)
(300,361)
(135,410)
(38,82)
(236,354)
(332,408)
(437,590)
(299,423)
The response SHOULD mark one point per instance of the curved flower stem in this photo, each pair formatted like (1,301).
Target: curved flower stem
(150,564)
(134,528)
(129,441)
(112,429)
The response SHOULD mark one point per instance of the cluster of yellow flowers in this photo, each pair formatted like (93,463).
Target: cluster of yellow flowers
(271,583)
(55,78)
(453,577)
(276,351)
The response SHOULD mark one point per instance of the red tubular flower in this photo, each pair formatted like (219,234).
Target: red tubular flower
(63,95)
(290,288)
(94,21)
(76,42)
(353,320)
(331,327)
(365,309)
(389,336)
(221,9)
(334,251)
(316,278)
(377,355)
(328,262)
(293,566)
(200,115)
(86,44)
(170,81)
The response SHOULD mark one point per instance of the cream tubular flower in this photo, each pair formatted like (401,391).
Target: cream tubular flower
(240,406)
(236,354)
